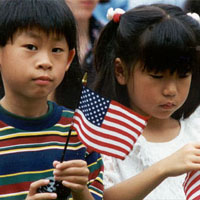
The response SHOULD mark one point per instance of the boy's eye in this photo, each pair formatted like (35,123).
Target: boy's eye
(57,50)
(31,47)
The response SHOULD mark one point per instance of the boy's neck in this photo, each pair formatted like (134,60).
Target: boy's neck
(32,109)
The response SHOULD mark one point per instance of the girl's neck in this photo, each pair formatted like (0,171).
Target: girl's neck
(161,130)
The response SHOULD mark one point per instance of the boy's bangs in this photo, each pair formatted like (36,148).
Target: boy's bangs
(168,48)
(46,17)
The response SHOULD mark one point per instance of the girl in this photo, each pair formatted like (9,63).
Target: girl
(149,65)
(37,46)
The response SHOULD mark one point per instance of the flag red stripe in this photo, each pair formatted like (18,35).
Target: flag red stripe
(116,121)
(187,179)
(103,144)
(117,112)
(111,128)
(101,134)
(102,151)
(193,192)
(197,198)
(192,182)
(129,110)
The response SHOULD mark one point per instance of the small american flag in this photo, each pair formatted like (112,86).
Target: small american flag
(192,185)
(107,126)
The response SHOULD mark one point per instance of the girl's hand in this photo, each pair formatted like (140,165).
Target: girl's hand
(33,195)
(73,174)
(182,161)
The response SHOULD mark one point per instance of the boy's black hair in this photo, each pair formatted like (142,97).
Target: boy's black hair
(49,16)
(162,37)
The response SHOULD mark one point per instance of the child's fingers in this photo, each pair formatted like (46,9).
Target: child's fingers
(55,163)
(33,195)
(78,171)
(35,185)
(74,186)
(70,163)
(42,196)
(196,144)
(73,179)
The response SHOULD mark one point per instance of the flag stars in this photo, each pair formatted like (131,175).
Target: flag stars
(93,106)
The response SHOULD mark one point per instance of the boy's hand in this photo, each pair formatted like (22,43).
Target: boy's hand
(73,174)
(33,195)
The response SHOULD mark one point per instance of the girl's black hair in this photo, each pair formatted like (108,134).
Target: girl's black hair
(49,16)
(192,6)
(162,37)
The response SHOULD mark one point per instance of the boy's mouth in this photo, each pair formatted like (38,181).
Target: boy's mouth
(42,80)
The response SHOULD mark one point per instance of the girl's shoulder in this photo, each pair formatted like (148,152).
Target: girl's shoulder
(191,126)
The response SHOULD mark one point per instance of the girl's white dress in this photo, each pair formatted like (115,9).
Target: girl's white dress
(146,153)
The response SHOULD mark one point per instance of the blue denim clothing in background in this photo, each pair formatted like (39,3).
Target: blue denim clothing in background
(134,3)
(101,9)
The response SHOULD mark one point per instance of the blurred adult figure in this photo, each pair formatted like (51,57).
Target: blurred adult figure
(88,31)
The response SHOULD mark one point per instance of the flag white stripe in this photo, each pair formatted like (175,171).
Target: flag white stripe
(120,118)
(196,193)
(130,132)
(117,108)
(99,138)
(191,179)
(99,147)
(106,131)
(193,187)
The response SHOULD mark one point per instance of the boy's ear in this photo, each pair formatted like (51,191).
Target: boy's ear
(70,58)
(120,72)
(0,56)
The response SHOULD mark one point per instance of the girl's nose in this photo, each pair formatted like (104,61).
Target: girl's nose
(45,66)
(170,89)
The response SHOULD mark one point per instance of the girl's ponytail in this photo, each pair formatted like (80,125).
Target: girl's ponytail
(105,55)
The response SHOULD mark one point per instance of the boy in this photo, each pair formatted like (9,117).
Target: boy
(37,46)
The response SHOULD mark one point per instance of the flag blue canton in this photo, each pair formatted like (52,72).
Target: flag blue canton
(93,106)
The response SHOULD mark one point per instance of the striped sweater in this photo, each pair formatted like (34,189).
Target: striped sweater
(28,148)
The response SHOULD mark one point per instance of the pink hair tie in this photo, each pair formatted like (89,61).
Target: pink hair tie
(115,14)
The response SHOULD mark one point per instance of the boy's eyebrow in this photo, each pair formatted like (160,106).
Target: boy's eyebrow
(33,35)
(37,36)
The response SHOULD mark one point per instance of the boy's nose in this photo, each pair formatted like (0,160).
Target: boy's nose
(44,62)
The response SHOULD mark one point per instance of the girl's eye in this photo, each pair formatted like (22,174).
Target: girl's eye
(184,75)
(57,50)
(156,76)
(31,47)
